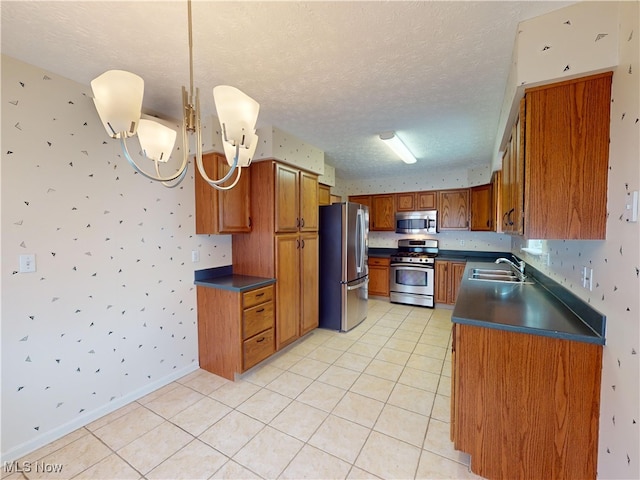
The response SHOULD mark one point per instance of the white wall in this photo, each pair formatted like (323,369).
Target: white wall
(615,262)
(110,312)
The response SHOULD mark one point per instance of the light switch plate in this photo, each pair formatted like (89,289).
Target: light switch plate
(27,263)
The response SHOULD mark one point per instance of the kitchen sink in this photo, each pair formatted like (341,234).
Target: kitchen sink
(501,276)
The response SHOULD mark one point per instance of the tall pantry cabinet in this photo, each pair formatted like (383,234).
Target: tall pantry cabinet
(283,244)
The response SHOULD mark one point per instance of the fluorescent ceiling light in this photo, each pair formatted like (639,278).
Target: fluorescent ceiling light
(400,149)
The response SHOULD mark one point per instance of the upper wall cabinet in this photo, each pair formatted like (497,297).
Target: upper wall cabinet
(482,209)
(566,154)
(453,209)
(411,201)
(296,200)
(218,211)
(382,210)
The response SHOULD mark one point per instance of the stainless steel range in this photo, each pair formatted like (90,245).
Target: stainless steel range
(412,274)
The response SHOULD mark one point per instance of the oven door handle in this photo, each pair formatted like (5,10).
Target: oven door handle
(404,266)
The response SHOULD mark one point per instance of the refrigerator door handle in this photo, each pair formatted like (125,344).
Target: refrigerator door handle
(358,285)
(360,241)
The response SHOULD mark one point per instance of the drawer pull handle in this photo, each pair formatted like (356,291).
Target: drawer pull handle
(260,311)
(261,340)
(259,294)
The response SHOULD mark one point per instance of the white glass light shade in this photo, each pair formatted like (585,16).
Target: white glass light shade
(245,155)
(399,148)
(156,140)
(118,99)
(237,113)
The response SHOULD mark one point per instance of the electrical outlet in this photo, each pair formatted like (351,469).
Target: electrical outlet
(195,256)
(462,243)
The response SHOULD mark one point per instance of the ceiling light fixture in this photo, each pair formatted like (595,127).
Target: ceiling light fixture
(399,148)
(118,100)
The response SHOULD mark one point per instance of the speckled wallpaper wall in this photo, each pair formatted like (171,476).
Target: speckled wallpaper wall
(110,313)
(616,261)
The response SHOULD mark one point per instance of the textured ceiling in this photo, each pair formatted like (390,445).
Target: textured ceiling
(334,74)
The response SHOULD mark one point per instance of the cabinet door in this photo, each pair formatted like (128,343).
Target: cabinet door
(517,185)
(505,199)
(287,289)
(441,290)
(496,194)
(382,215)
(379,280)
(406,202)
(217,211)
(309,282)
(453,210)
(361,199)
(287,199)
(482,208)
(308,202)
(427,200)
(456,272)
(324,195)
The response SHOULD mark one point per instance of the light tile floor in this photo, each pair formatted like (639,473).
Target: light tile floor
(370,403)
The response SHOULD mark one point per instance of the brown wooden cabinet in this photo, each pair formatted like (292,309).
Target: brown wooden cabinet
(555,166)
(217,211)
(379,276)
(566,159)
(413,201)
(427,200)
(525,406)
(453,209)
(482,209)
(235,330)
(361,199)
(291,257)
(382,216)
(512,198)
(448,277)
(297,200)
(324,195)
(496,193)
(382,210)
(406,202)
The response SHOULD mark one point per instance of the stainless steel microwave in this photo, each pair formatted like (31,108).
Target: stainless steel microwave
(425,221)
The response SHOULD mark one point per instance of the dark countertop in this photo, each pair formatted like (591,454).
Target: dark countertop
(530,308)
(455,255)
(223,278)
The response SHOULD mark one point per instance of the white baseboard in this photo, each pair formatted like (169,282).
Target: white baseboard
(45,438)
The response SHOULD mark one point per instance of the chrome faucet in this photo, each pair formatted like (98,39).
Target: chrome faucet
(519,266)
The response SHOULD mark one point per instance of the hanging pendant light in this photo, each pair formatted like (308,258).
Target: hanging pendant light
(118,99)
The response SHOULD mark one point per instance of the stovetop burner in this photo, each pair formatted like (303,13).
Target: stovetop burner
(415,251)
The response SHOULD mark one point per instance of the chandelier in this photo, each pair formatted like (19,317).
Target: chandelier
(118,100)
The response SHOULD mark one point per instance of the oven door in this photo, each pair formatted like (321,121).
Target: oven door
(411,279)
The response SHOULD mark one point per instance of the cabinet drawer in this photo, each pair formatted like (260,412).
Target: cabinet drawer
(257,348)
(257,296)
(377,261)
(256,319)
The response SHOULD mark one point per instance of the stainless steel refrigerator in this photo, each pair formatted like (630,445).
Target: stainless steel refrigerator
(344,274)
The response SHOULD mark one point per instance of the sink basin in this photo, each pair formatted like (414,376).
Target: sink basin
(501,276)
(490,271)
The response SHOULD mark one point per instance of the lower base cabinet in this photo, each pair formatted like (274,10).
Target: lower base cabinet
(379,276)
(525,406)
(235,329)
(448,277)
